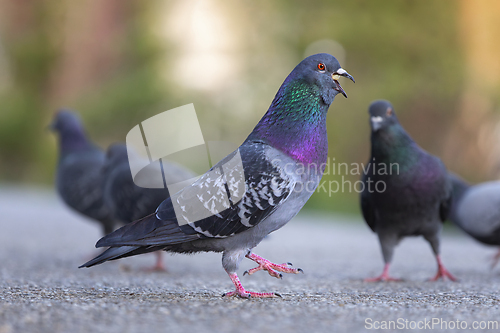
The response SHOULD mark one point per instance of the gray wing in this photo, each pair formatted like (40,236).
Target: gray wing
(367,207)
(80,184)
(227,200)
(478,212)
(445,207)
(129,201)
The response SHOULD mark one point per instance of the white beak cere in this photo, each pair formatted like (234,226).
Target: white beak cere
(376,122)
(342,72)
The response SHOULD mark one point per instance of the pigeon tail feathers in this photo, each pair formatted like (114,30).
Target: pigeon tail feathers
(148,231)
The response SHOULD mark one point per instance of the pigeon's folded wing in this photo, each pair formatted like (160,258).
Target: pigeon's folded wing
(235,195)
(80,187)
(367,207)
(445,208)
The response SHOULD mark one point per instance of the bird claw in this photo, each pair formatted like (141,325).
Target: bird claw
(271,268)
(384,278)
(155,269)
(443,274)
(242,293)
(271,271)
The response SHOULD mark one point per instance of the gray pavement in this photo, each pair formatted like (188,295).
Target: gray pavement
(42,290)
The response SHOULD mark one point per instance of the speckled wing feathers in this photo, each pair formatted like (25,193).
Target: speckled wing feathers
(251,198)
(264,188)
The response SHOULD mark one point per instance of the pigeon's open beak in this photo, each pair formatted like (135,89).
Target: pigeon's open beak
(335,76)
(376,123)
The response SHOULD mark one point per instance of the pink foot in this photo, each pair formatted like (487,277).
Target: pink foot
(496,259)
(241,292)
(270,267)
(158,267)
(383,277)
(442,272)
(248,294)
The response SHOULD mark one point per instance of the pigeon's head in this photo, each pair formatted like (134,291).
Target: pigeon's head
(66,122)
(382,115)
(323,71)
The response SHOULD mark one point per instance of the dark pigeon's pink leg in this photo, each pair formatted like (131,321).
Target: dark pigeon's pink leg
(159,266)
(384,277)
(270,267)
(496,259)
(241,292)
(442,272)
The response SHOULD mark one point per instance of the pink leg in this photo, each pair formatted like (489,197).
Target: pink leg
(241,292)
(270,267)
(384,277)
(442,272)
(496,259)
(158,267)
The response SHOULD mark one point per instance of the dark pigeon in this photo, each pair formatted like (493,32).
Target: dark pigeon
(267,180)
(79,178)
(412,197)
(476,210)
(129,202)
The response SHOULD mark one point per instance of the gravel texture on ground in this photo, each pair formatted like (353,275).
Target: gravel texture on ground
(41,289)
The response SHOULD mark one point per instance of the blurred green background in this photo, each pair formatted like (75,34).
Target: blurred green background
(118,62)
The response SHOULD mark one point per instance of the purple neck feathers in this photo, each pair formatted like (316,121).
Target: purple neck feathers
(296,123)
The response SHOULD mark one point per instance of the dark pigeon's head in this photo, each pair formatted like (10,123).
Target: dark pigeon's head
(382,115)
(66,121)
(72,136)
(323,71)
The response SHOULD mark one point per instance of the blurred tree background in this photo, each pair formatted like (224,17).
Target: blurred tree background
(118,62)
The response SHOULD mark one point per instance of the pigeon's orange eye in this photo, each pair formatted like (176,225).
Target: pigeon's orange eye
(321,66)
(388,113)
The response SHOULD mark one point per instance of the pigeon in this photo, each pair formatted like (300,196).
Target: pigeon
(406,191)
(253,191)
(476,210)
(129,202)
(79,178)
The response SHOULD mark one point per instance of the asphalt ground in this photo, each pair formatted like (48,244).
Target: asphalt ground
(41,289)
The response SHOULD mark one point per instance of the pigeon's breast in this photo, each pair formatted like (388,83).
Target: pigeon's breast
(79,183)
(306,178)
